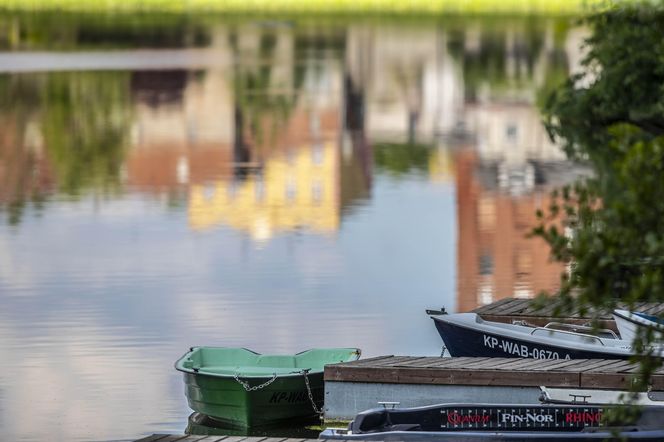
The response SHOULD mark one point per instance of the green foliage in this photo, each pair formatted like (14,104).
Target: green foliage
(623,83)
(400,159)
(85,124)
(612,234)
(265,100)
(76,31)
(309,6)
(83,121)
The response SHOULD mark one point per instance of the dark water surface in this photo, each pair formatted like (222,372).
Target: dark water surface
(271,184)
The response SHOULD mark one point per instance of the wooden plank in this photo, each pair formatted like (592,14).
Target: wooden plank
(393,361)
(519,308)
(475,376)
(528,364)
(152,438)
(611,381)
(195,438)
(622,368)
(405,362)
(553,364)
(502,363)
(564,364)
(592,363)
(602,373)
(491,307)
(514,378)
(510,307)
(457,362)
(463,363)
(468,363)
(365,361)
(515,363)
(532,310)
(575,365)
(446,362)
(440,362)
(203,438)
(172,438)
(543,364)
(420,362)
(612,367)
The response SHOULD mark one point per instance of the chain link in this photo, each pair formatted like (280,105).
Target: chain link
(247,387)
(255,387)
(311,396)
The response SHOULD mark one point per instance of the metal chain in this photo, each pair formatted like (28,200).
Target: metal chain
(311,396)
(255,387)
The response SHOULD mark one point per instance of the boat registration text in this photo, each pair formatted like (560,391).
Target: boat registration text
(521,350)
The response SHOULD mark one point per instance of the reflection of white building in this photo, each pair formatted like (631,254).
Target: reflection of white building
(412,85)
(510,133)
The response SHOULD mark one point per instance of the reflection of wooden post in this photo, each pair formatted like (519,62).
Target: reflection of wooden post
(468,230)
(354,110)
(354,105)
(241,154)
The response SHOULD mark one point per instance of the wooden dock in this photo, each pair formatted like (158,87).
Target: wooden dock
(192,438)
(513,309)
(608,374)
(416,381)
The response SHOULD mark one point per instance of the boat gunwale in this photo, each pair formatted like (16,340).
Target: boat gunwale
(288,375)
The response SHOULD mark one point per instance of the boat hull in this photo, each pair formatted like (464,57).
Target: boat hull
(468,341)
(240,388)
(226,401)
(503,422)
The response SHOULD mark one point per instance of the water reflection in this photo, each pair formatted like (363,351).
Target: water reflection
(201,425)
(321,186)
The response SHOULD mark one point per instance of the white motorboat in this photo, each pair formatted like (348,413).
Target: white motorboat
(586,396)
(629,323)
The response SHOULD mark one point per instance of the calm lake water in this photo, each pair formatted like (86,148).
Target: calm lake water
(270,184)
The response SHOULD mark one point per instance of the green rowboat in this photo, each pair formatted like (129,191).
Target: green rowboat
(241,389)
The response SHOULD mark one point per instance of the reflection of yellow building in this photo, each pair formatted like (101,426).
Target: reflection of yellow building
(441,166)
(296,189)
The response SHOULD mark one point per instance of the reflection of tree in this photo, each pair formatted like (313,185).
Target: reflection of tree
(400,159)
(264,99)
(356,169)
(505,55)
(85,117)
(71,126)
(47,30)
(20,177)
(613,118)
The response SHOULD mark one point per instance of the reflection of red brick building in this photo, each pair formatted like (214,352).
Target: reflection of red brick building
(166,166)
(24,171)
(495,258)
